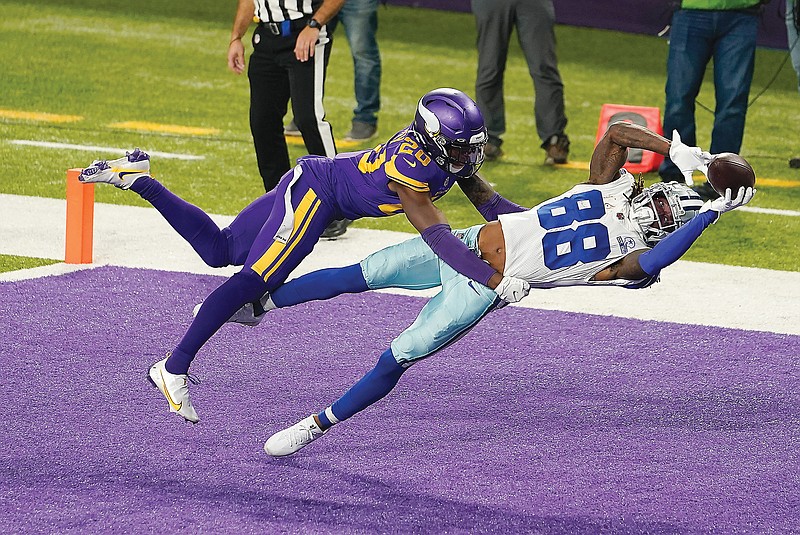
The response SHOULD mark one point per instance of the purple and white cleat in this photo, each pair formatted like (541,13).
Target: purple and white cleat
(121,172)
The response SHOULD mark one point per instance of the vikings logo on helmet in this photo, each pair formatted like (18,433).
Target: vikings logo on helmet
(663,208)
(450,127)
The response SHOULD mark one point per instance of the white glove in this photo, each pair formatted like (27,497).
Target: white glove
(512,289)
(687,158)
(725,203)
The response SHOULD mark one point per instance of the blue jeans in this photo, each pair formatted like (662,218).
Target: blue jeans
(360,21)
(697,36)
(791,33)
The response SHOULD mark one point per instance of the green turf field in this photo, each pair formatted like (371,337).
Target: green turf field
(106,63)
(13,263)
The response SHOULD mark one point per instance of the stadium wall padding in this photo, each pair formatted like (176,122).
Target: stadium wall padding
(633,16)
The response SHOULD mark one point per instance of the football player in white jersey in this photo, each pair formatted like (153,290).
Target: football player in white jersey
(607,231)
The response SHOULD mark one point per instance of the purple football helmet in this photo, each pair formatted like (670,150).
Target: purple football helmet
(450,128)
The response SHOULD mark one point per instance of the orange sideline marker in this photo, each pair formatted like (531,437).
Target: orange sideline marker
(80,220)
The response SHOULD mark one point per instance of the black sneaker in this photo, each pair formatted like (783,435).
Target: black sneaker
(336,228)
(492,151)
(706,191)
(556,149)
(361,132)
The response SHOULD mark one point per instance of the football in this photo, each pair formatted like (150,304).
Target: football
(729,170)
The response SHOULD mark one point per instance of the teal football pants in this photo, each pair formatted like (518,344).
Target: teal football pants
(450,314)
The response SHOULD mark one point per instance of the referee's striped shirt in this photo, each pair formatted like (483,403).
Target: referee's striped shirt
(281,10)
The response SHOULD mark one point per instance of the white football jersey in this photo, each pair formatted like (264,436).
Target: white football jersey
(564,241)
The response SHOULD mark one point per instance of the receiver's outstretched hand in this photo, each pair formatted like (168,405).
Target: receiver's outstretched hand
(688,159)
(727,202)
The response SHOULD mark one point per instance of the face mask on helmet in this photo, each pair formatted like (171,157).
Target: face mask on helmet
(450,128)
(662,208)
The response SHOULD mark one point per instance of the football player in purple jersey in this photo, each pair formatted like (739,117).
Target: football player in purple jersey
(607,231)
(272,235)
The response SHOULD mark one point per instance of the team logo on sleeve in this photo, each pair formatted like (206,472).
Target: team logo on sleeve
(626,244)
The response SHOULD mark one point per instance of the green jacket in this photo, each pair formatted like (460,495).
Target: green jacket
(723,5)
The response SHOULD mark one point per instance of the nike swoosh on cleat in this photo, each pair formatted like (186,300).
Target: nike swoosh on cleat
(176,406)
(123,174)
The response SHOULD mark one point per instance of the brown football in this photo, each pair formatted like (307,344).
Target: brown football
(729,170)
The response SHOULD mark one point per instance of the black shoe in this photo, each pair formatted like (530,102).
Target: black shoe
(361,131)
(336,228)
(556,149)
(669,172)
(706,191)
(492,150)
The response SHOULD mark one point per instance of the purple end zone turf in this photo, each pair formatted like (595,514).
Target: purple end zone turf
(537,421)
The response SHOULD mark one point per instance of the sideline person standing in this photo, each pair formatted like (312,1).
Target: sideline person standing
(291,47)
(360,21)
(792,14)
(726,31)
(534,20)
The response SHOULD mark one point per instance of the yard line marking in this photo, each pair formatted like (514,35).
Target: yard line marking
(777,182)
(39,116)
(95,148)
(772,211)
(343,143)
(168,128)
(573,165)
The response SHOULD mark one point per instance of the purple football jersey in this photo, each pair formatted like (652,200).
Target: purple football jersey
(357,183)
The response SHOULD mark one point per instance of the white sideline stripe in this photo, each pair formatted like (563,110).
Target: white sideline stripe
(773,211)
(691,293)
(95,148)
(43,271)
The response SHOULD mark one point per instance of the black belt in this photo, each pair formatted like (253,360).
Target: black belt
(286,27)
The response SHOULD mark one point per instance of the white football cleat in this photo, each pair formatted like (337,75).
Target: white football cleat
(245,315)
(175,388)
(293,438)
(121,172)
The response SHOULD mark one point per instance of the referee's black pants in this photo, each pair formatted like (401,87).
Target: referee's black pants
(276,76)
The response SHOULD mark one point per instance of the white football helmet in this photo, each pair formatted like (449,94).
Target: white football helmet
(662,208)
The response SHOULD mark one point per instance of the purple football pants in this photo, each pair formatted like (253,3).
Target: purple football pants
(249,241)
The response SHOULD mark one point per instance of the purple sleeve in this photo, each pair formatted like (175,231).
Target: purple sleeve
(456,254)
(676,244)
(498,205)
